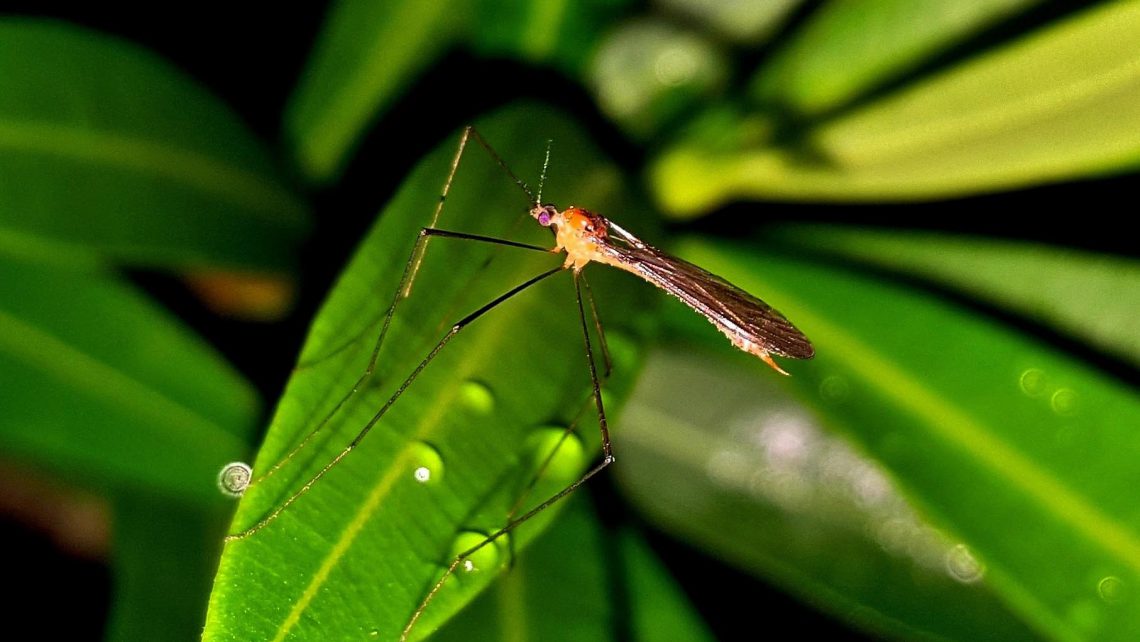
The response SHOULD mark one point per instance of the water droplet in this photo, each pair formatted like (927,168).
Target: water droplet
(1111,589)
(1065,401)
(1033,382)
(427,464)
(234,478)
(477,397)
(963,566)
(486,558)
(374,634)
(559,455)
(834,388)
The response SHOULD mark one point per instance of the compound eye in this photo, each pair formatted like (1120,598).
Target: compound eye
(546,215)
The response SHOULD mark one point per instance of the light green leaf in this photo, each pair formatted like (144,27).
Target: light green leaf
(1018,450)
(360,550)
(1057,104)
(104,388)
(1091,296)
(107,152)
(847,48)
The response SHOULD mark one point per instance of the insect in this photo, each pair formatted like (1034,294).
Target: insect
(583,237)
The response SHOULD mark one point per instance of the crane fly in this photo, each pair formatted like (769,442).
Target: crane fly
(583,237)
(749,323)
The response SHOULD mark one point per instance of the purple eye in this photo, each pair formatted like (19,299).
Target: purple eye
(544,218)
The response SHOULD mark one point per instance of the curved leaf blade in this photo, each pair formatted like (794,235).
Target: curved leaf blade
(565,587)
(365,56)
(1019,450)
(110,153)
(134,402)
(718,453)
(846,49)
(1090,296)
(360,550)
(1059,104)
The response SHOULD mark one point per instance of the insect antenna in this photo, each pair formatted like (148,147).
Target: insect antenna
(542,176)
(498,159)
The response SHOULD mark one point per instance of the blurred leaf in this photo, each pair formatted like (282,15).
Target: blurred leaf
(1025,454)
(360,550)
(563,34)
(847,48)
(101,386)
(165,556)
(744,21)
(563,588)
(1058,104)
(365,56)
(368,53)
(715,451)
(107,152)
(648,72)
(1094,297)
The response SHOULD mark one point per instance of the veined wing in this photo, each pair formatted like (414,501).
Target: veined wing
(746,320)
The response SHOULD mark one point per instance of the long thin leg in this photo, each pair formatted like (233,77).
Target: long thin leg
(606,360)
(409,273)
(607,459)
(454,330)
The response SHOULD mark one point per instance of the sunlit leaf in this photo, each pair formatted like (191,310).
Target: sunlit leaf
(847,48)
(360,550)
(1059,103)
(108,152)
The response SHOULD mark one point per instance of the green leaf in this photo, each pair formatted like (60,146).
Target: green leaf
(368,53)
(847,48)
(566,587)
(108,152)
(560,33)
(104,388)
(715,451)
(165,555)
(1020,451)
(360,550)
(1093,297)
(1057,104)
(365,56)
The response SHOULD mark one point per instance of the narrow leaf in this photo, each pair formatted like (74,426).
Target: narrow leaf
(104,388)
(1020,451)
(360,550)
(1093,297)
(107,152)
(579,581)
(366,55)
(847,48)
(1058,104)
(717,452)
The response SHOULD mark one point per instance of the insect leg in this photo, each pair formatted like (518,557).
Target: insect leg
(607,459)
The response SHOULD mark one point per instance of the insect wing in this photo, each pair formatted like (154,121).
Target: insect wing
(728,307)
